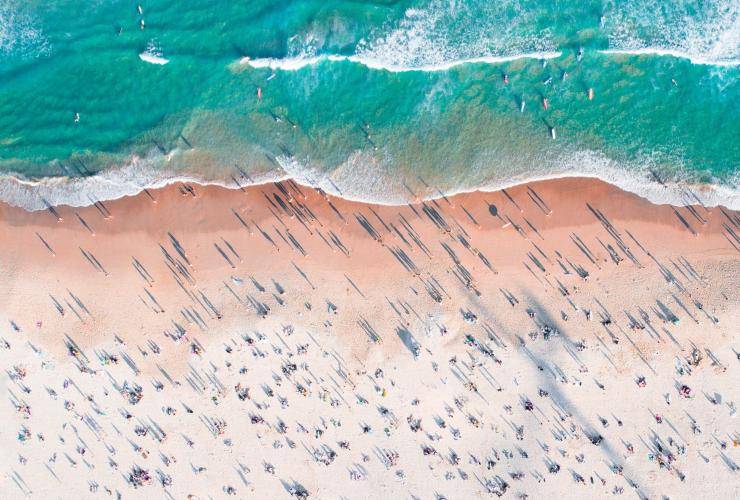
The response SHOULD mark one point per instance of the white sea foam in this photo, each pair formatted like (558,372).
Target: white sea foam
(153,54)
(694,58)
(705,33)
(296,63)
(447,34)
(446,31)
(111,184)
(365,179)
(361,178)
(21,35)
(439,37)
(153,59)
(637,178)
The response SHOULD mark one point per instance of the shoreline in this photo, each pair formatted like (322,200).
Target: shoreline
(202,212)
(18,192)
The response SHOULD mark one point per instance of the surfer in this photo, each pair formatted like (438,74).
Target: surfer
(552,133)
(545,103)
(259,93)
(590,93)
(142,25)
(506,79)
(77,118)
(139,9)
(521,106)
(580,54)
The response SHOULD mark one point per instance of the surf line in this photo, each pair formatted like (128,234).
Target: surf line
(296,63)
(153,59)
(694,58)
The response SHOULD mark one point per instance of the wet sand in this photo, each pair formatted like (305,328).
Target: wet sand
(516,325)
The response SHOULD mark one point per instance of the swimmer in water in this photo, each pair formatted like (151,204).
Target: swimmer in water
(142,25)
(580,54)
(506,78)
(77,118)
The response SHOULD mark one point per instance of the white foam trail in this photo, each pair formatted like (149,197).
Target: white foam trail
(296,63)
(21,34)
(112,184)
(80,192)
(361,178)
(153,58)
(694,58)
(639,183)
(706,32)
(373,183)
(287,64)
(451,30)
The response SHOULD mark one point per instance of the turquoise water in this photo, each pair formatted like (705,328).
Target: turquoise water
(368,99)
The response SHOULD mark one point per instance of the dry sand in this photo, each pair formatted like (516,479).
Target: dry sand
(507,344)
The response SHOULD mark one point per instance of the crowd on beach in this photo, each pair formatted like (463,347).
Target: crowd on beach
(278,366)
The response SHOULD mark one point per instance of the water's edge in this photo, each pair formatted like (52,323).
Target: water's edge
(80,192)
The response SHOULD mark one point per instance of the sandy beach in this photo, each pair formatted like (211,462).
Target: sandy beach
(559,338)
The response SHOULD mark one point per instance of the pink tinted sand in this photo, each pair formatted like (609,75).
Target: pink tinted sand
(325,277)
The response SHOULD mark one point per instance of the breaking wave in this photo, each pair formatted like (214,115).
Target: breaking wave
(296,63)
(358,180)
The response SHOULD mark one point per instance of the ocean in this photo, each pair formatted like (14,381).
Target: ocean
(380,101)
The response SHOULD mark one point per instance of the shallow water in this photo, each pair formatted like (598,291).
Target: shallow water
(371,100)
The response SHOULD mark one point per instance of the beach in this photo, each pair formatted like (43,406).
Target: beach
(322,249)
(561,337)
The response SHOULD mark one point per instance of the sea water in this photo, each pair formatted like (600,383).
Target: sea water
(382,101)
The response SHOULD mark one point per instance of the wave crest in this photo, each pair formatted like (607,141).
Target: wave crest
(446,31)
(705,33)
(360,178)
(296,63)
(694,58)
